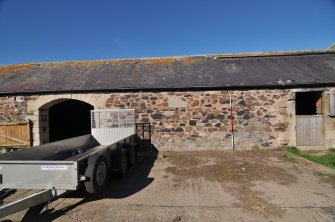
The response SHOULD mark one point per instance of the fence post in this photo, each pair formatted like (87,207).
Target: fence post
(30,133)
(149,132)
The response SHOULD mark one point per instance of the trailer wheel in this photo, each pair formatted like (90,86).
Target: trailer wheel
(97,171)
(131,155)
(123,164)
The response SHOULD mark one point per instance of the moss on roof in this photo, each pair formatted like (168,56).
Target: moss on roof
(275,69)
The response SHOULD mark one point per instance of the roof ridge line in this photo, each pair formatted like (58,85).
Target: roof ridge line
(215,56)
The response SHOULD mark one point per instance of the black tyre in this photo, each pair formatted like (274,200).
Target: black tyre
(122,164)
(131,153)
(97,171)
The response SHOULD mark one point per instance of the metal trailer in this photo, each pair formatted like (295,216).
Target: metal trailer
(61,167)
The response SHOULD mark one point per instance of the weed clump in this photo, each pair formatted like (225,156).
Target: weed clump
(292,149)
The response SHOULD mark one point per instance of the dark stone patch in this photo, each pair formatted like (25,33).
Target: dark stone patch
(144,97)
(240,112)
(218,125)
(195,136)
(208,105)
(220,116)
(153,98)
(246,116)
(178,130)
(193,122)
(145,120)
(165,130)
(210,116)
(182,124)
(150,111)
(266,144)
(205,121)
(157,116)
(242,102)
(208,125)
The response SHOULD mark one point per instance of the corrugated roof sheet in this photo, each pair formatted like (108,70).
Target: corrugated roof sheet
(213,71)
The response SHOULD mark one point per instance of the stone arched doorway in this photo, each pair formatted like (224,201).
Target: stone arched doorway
(62,119)
(68,119)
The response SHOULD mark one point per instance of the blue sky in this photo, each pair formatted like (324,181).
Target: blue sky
(64,30)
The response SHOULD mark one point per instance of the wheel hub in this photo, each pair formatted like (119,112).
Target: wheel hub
(101,173)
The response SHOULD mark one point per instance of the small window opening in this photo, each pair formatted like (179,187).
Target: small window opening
(308,103)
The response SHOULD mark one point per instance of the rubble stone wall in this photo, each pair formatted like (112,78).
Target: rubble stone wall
(12,109)
(180,120)
(201,119)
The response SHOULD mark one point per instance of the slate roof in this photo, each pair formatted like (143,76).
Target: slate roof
(264,70)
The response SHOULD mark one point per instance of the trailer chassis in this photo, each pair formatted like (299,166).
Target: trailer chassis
(62,167)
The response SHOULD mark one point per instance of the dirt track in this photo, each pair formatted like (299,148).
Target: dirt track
(205,186)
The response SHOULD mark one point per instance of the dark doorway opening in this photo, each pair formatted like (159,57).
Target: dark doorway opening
(68,119)
(308,103)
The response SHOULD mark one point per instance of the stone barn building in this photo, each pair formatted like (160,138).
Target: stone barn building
(277,98)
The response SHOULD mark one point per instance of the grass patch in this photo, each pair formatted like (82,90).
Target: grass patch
(292,149)
(327,159)
(329,175)
(290,158)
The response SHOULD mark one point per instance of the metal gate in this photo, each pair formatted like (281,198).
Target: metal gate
(310,130)
(16,135)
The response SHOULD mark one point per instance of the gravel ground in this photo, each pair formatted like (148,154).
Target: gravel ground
(204,186)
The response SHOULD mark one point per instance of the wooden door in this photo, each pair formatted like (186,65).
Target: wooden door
(310,130)
(16,135)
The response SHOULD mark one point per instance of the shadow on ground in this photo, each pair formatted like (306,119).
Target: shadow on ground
(135,180)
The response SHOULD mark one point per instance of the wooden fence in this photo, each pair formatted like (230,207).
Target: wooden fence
(16,135)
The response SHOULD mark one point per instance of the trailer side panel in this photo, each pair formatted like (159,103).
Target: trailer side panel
(39,175)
